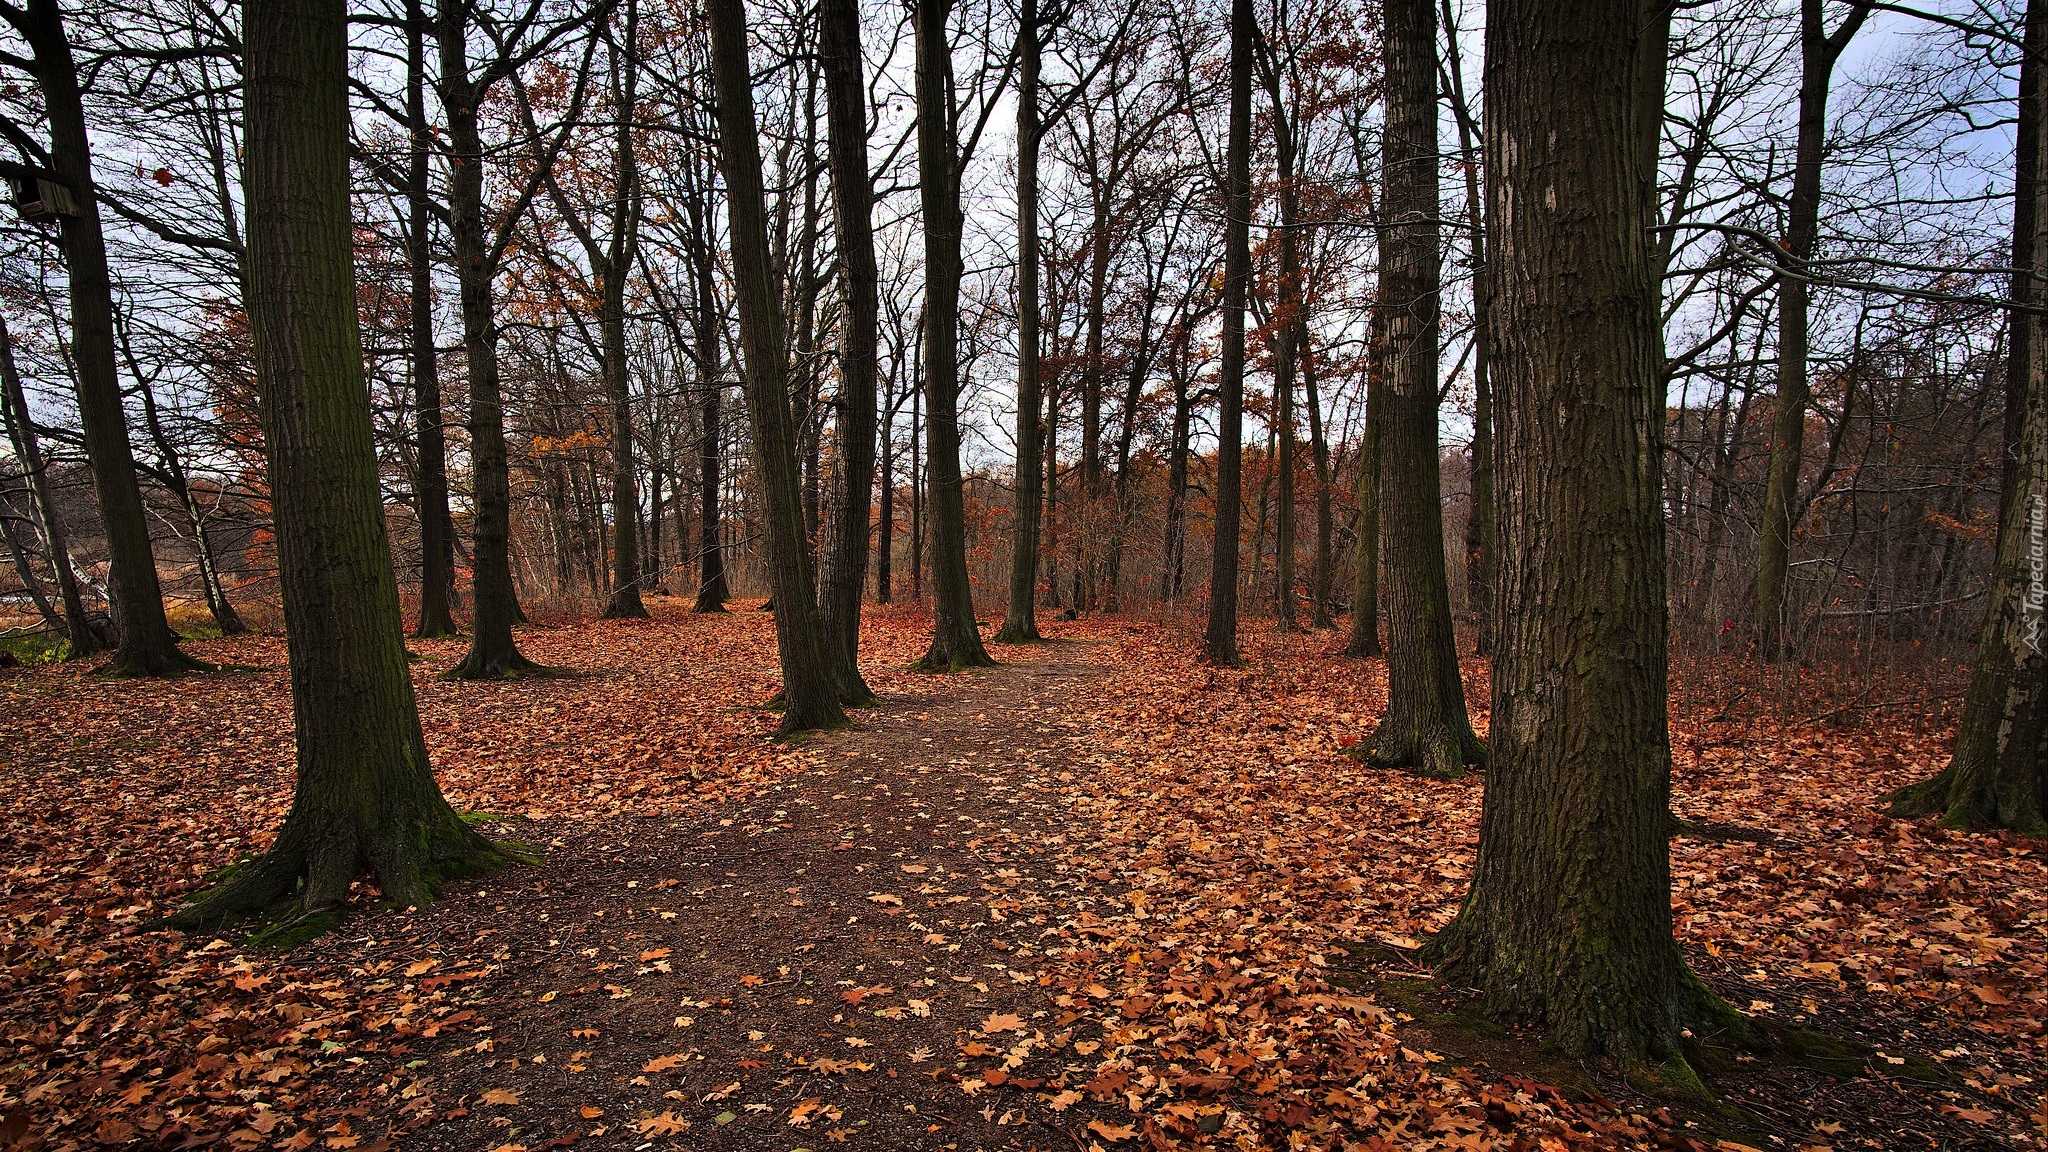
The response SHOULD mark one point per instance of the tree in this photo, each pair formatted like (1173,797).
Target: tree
(1363,639)
(80,630)
(846,557)
(1020,619)
(146,646)
(1479,519)
(478,251)
(1819,49)
(1220,644)
(430,485)
(1568,920)
(1999,772)
(956,643)
(810,691)
(611,259)
(1425,726)
(365,796)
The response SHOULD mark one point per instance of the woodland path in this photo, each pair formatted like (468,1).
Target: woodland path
(803,968)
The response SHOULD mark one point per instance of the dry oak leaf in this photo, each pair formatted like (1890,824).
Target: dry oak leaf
(665,1063)
(500,1096)
(666,1124)
(1112,1131)
(1002,1022)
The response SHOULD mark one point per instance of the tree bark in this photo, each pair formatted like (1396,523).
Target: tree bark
(365,797)
(1425,727)
(146,645)
(853,473)
(956,644)
(1020,619)
(1220,642)
(430,484)
(810,692)
(1818,51)
(1999,772)
(1568,921)
(494,604)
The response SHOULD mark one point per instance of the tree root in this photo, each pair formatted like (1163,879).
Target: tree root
(1438,754)
(510,667)
(299,885)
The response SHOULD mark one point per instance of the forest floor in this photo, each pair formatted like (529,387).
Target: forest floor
(1099,897)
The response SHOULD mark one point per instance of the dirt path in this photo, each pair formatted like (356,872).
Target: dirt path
(814,966)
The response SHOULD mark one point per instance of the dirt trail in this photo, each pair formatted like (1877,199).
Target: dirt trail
(809,967)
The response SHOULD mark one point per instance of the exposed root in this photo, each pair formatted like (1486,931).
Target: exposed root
(511,666)
(1439,754)
(163,663)
(301,890)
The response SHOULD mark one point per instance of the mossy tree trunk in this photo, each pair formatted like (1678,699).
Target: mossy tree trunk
(1568,921)
(365,797)
(853,473)
(1220,641)
(1425,727)
(1999,773)
(956,643)
(1020,619)
(145,644)
(810,692)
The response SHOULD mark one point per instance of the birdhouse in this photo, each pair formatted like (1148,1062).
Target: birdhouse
(41,197)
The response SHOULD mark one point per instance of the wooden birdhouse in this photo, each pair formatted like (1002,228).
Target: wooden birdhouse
(40,196)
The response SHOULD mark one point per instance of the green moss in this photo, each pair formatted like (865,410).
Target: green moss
(288,932)
(36,648)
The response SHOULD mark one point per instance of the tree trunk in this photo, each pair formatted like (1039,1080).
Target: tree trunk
(80,629)
(1364,638)
(1479,519)
(146,646)
(853,472)
(1287,328)
(493,602)
(430,484)
(365,796)
(1319,448)
(1425,727)
(810,692)
(1999,773)
(885,527)
(1020,619)
(1568,921)
(711,590)
(1818,51)
(1220,642)
(956,643)
(173,477)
